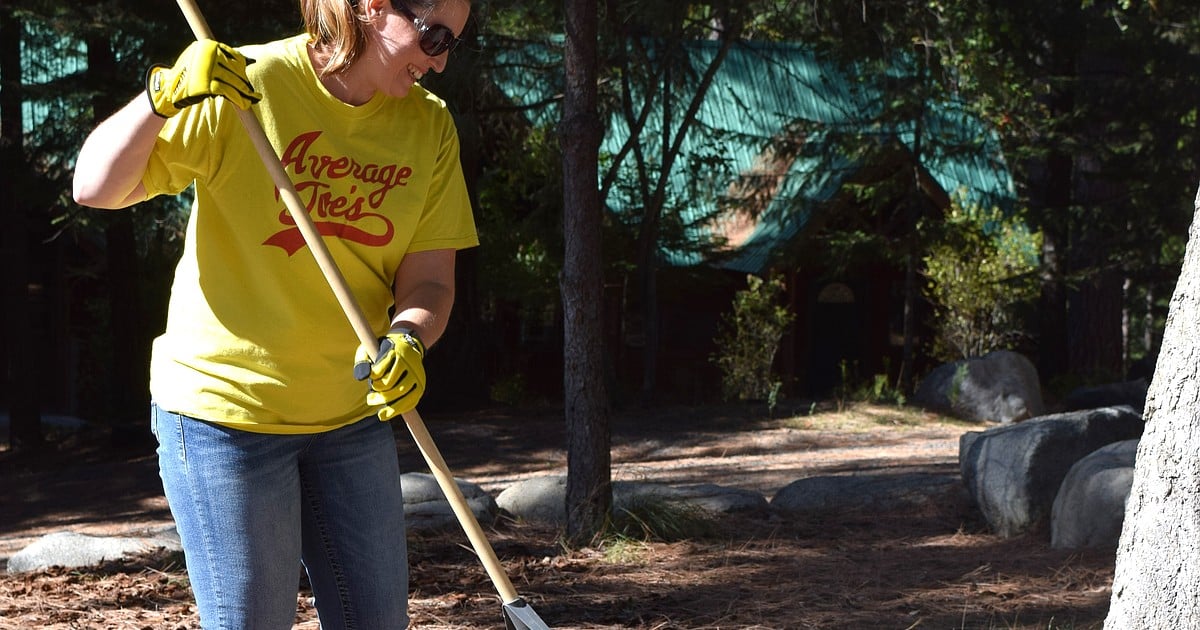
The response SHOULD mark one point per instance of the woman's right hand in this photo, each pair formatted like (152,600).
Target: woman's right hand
(206,69)
(112,161)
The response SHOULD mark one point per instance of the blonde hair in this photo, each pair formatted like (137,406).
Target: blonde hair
(336,28)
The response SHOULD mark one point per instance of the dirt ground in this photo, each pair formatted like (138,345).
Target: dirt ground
(935,568)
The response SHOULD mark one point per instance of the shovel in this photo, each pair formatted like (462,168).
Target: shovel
(518,615)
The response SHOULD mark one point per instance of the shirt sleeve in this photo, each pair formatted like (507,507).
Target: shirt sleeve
(447,221)
(187,148)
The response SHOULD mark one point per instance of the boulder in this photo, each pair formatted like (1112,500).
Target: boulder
(1090,506)
(1143,368)
(1129,393)
(537,500)
(878,492)
(70,549)
(1012,473)
(544,499)
(1001,386)
(426,507)
(709,497)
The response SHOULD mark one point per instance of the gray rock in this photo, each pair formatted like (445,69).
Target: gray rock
(426,507)
(537,500)
(1012,473)
(1090,506)
(70,549)
(1130,393)
(1002,386)
(836,493)
(544,499)
(707,496)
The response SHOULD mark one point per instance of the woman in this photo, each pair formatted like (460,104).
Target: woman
(269,451)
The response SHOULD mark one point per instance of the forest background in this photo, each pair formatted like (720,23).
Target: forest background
(1094,105)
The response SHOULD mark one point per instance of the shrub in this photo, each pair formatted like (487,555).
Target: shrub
(980,271)
(748,340)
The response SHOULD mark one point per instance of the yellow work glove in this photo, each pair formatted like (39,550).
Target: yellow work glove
(204,70)
(397,376)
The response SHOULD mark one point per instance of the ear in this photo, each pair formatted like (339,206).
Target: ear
(373,8)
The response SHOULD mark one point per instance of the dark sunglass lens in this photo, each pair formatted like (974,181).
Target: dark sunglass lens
(437,40)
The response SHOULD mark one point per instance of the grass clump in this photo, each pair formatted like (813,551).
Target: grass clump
(656,519)
(633,526)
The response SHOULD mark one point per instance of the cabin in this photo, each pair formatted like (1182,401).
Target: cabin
(787,152)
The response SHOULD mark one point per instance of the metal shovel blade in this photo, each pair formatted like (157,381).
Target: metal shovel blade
(518,615)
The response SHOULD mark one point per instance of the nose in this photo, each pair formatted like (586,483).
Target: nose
(439,62)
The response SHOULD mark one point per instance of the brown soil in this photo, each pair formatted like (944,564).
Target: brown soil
(933,568)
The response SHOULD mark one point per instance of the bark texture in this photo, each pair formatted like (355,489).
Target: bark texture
(18,355)
(1158,560)
(589,476)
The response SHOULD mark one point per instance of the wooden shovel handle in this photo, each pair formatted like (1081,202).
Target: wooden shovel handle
(362,327)
(287,191)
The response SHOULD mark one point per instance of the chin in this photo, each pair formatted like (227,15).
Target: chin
(400,89)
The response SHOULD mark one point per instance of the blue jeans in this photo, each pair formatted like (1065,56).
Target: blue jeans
(251,509)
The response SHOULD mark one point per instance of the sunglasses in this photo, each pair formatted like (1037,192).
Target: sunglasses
(435,39)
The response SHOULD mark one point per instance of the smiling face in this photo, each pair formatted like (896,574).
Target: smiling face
(395,59)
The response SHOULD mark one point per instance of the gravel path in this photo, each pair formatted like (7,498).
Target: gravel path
(100,492)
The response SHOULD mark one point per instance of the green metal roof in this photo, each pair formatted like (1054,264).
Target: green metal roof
(765,93)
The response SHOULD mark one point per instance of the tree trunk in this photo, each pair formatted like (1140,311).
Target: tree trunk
(128,387)
(1053,349)
(589,463)
(912,292)
(129,392)
(19,351)
(1056,187)
(1094,336)
(1158,560)
(648,282)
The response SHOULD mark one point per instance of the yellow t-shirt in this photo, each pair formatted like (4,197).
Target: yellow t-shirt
(255,338)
